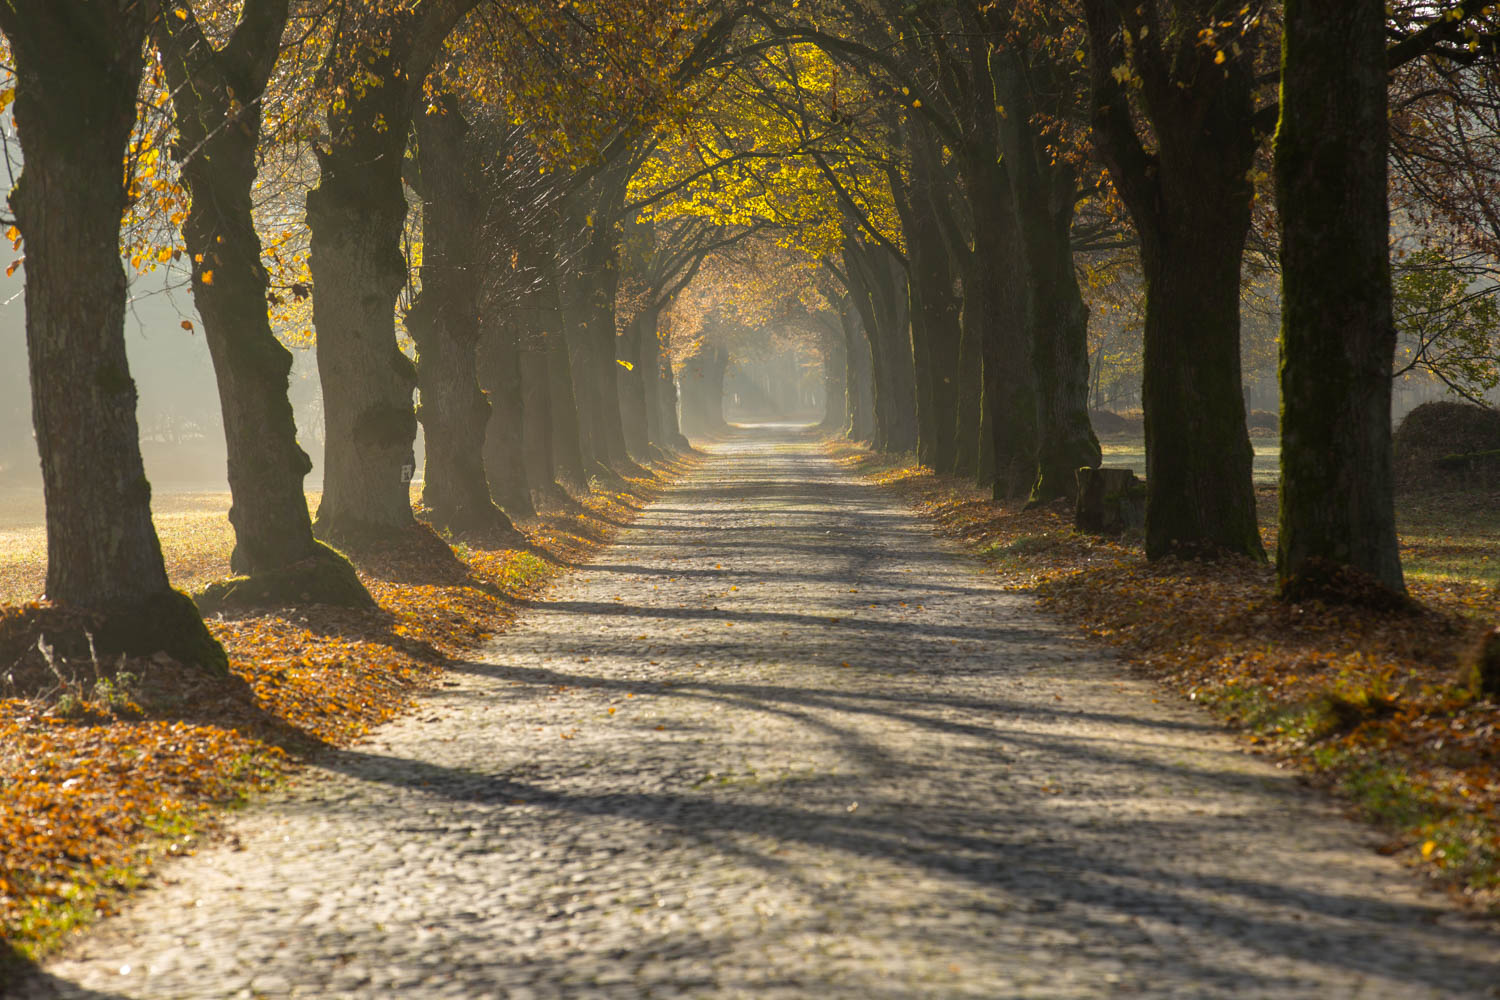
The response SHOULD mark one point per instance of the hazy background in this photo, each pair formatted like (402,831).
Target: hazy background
(182,437)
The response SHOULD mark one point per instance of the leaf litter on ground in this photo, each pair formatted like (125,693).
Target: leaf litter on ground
(107,765)
(1373,705)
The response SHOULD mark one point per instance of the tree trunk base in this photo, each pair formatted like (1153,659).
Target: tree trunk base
(168,623)
(1109,502)
(1320,579)
(1485,661)
(324,578)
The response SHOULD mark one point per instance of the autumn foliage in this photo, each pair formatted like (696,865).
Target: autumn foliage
(108,765)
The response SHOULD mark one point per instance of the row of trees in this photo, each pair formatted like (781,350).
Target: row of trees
(195,122)
(525,191)
(981,155)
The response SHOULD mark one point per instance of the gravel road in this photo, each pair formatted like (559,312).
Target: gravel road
(780,741)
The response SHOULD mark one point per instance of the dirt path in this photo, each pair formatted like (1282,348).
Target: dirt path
(782,742)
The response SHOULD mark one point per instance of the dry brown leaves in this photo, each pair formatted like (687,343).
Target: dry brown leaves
(1374,705)
(107,766)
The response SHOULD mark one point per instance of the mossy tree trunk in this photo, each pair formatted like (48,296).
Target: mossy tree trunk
(1337,338)
(217,108)
(996,300)
(877,286)
(78,68)
(1044,188)
(1191,200)
(932,282)
(445,322)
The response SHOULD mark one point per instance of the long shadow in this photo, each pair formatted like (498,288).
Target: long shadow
(1059,882)
(905,629)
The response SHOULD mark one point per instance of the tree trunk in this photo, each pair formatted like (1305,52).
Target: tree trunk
(356,214)
(878,290)
(703,392)
(536,418)
(1338,337)
(997,299)
(505,444)
(603,285)
(215,95)
(835,376)
(969,381)
(671,432)
(648,366)
(75,108)
(932,293)
(860,377)
(1191,202)
(631,386)
(445,323)
(567,434)
(1044,190)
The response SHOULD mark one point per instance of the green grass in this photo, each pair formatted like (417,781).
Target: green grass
(1450,538)
(1129,452)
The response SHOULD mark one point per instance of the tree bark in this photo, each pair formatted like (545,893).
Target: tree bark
(996,299)
(631,386)
(445,322)
(505,443)
(1191,202)
(878,289)
(216,100)
(78,67)
(932,293)
(567,434)
(1338,337)
(356,215)
(835,374)
(860,376)
(671,431)
(1044,189)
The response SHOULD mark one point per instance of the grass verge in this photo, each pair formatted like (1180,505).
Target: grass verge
(1373,706)
(107,767)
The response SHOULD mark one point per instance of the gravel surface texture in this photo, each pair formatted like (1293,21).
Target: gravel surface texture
(781,741)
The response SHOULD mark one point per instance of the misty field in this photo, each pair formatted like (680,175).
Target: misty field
(193,525)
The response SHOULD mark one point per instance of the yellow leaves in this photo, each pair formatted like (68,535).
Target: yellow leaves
(187,325)
(625,364)
(207,277)
(1429,847)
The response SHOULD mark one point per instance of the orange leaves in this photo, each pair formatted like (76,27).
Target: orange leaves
(130,771)
(1369,700)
